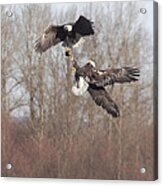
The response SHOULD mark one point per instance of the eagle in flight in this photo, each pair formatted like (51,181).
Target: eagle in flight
(89,78)
(70,34)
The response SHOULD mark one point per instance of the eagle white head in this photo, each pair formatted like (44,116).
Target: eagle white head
(92,63)
(68,28)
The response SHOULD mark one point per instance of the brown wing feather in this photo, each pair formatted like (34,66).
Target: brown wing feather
(102,98)
(48,39)
(124,75)
(110,76)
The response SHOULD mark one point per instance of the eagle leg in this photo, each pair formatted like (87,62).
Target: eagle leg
(73,70)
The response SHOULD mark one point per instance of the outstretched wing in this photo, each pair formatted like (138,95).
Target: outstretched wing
(124,75)
(111,76)
(83,26)
(51,36)
(102,98)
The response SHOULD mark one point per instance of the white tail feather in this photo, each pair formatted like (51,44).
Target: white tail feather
(83,86)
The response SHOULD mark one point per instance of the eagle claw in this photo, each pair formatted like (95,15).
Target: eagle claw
(68,52)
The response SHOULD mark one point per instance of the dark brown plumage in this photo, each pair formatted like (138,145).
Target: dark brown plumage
(69,34)
(103,99)
(98,79)
(114,75)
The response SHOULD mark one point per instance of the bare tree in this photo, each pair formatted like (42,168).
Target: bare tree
(70,136)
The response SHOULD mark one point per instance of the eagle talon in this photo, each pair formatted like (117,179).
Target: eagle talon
(73,70)
(68,52)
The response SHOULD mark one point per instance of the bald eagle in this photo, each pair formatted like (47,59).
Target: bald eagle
(93,80)
(70,34)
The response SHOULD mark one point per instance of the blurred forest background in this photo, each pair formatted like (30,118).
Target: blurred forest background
(46,130)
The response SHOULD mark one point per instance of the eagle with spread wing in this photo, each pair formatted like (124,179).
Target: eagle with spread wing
(93,80)
(70,34)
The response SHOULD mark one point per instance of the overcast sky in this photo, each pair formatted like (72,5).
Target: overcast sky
(146,19)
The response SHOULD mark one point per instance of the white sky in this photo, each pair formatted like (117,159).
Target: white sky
(146,19)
